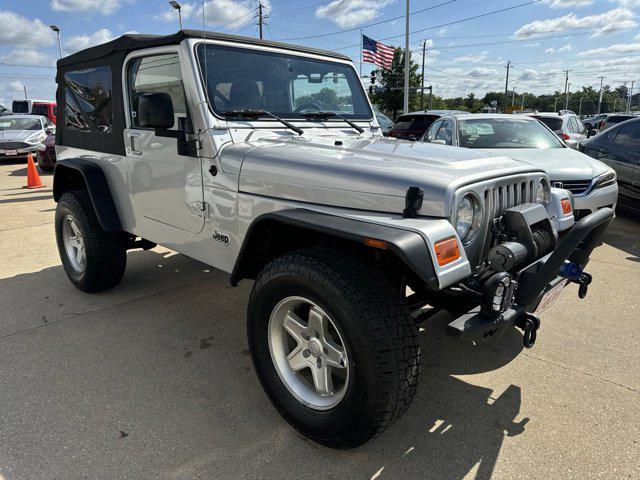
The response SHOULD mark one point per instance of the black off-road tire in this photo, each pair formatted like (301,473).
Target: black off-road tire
(105,252)
(379,335)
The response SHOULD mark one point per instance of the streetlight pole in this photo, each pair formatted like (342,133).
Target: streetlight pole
(566,89)
(600,97)
(178,7)
(522,107)
(630,96)
(57,30)
(424,52)
(506,87)
(566,103)
(580,107)
(406,59)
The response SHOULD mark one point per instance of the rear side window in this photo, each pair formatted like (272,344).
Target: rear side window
(431,133)
(629,135)
(157,74)
(554,123)
(20,107)
(39,110)
(88,99)
(414,122)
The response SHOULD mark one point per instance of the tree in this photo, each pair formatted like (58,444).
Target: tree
(390,98)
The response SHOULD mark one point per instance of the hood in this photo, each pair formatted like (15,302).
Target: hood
(362,173)
(559,163)
(17,135)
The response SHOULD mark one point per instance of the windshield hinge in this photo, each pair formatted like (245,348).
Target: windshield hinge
(203,209)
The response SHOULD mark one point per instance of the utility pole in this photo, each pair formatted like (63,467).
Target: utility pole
(406,59)
(555,105)
(25,91)
(260,18)
(522,106)
(600,97)
(630,95)
(424,52)
(430,97)
(513,97)
(506,86)
(580,107)
(361,47)
(566,89)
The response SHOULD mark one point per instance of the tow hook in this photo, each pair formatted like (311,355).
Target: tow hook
(583,281)
(529,323)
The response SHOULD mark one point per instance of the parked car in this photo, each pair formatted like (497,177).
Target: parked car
(614,119)
(412,126)
(272,180)
(47,153)
(619,148)
(21,134)
(592,122)
(4,111)
(566,112)
(568,127)
(25,106)
(49,110)
(591,182)
(386,124)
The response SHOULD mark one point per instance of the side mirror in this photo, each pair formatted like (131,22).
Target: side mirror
(591,133)
(50,130)
(438,142)
(155,110)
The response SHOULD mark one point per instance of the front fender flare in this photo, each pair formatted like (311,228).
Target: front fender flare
(408,246)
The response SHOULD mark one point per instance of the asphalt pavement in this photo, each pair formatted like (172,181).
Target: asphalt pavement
(153,379)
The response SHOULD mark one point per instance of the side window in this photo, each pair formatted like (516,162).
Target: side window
(157,74)
(573,126)
(581,128)
(446,132)
(431,133)
(88,100)
(629,135)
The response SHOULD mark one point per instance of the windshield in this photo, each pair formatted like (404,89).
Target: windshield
(286,85)
(505,133)
(554,123)
(7,123)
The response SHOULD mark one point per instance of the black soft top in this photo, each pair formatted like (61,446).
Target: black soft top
(130,42)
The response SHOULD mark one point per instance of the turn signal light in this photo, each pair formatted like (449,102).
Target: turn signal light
(447,251)
(566,206)
(375,243)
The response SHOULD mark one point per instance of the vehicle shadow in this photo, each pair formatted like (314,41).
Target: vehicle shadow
(165,353)
(624,234)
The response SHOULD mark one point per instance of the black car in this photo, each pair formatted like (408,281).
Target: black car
(619,147)
(411,126)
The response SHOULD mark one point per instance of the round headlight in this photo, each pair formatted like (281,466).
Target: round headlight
(468,218)
(543,192)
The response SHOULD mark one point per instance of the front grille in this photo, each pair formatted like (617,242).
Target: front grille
(14,145)
(577,187)
(500,197)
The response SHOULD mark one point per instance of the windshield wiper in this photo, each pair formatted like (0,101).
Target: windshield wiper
(326,115)
(255,113)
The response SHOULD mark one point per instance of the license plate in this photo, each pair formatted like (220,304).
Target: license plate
(551,296)
(11,152)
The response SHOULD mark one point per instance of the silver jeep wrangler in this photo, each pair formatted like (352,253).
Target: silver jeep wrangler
(266,161)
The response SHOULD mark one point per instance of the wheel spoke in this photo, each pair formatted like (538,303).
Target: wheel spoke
(293,324)
(74,228)
(322,379)
(80,256)
(317,323)
(297,360)
(334,354)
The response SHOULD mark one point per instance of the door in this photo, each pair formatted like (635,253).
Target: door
(621,151)
(166,187)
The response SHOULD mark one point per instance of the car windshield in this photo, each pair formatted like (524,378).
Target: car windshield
(414,122)
(554,123)
(285,85)
(505,133)
(8,123)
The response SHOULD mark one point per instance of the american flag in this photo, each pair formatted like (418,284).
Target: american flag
(376,52)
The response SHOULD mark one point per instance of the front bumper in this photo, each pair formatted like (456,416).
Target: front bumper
(595,200)
(536,279)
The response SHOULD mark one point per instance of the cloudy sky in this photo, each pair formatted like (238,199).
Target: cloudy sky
(468,41)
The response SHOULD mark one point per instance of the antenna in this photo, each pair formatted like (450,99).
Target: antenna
(206,60)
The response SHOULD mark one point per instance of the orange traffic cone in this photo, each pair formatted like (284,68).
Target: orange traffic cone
(33,179)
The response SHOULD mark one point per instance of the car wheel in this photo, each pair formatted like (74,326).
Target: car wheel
(94,260)
(333,345)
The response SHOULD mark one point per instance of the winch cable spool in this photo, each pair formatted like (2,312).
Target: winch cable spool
(543,240)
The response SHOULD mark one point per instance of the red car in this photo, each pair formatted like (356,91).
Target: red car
(47,155)
(46,109)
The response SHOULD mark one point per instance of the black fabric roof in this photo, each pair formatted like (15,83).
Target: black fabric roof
(129,42)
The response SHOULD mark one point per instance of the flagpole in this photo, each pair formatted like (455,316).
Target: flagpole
(361,47)
(406,61)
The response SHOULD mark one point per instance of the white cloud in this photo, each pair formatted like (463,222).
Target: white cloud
(28,56)
(529,45)
(550,50)
(628,3)
(80,42)
(566,48)
(611,49)
(351,13)
(614,62)
(603,23)
(16,86)
(17,29)
(480,57)
(231,14)
(568,3)
(480,72)
(105,7)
